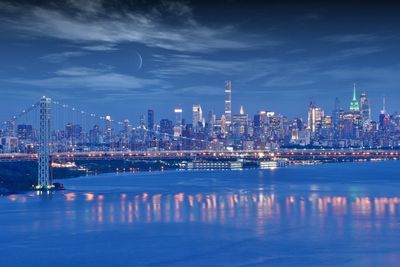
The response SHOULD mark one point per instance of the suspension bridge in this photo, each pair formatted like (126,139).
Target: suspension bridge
(37,139)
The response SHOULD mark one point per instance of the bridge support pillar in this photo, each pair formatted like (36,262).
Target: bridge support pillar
(44,179)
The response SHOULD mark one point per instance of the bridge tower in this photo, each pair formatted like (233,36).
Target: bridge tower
(44,179)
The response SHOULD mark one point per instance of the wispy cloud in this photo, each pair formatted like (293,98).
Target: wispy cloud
(98,24)
(196,91)
(174,65)
(100,47)
(98,81)
(350,38)
(63,56)
(265,72)
(356,51)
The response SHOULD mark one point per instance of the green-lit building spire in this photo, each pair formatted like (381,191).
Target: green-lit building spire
(354,106)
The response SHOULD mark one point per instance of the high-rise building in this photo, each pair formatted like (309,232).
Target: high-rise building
(142,122)
(241,112)
(108,126)
(384,117)
(315,115)
(166,126)
(228,103)
(24,131)
(383,111)
(178,122)
(354,106)
(150,119)
(295,129)
(365,108)
(240,122)
(73,131)
(212,118)
(260,118)
(197,117)
(10,128)
(126,126)
(94,135)
(336,112)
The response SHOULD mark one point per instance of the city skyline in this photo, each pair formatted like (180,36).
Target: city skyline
(72,129)
(187,113)
(132,56)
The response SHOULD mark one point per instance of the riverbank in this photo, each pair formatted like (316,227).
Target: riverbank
(18,177)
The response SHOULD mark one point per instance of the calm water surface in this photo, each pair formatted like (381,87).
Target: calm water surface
(326,215)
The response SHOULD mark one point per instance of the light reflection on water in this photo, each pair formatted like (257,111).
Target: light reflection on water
(240,209)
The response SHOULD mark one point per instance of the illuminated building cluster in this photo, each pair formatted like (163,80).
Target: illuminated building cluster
(351,128)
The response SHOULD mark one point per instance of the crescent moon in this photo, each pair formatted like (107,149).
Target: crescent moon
(140,61)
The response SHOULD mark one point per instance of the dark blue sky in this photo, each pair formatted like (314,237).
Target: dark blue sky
(279,55)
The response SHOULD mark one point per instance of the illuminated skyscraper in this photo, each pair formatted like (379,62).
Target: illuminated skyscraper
(240,122)
(228,103)
(197,116)
(365,107)
(178,122)
(315,115)
(383,111)
(108,126)
(354,106)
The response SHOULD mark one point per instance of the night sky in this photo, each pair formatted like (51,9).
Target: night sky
(123,57)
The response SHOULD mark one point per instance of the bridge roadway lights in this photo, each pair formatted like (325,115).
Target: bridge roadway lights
(44,188)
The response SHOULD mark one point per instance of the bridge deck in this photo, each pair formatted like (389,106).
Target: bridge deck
(206,154)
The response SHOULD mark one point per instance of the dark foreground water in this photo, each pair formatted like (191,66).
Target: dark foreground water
(325,215)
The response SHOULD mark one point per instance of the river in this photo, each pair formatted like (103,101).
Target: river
(322,215)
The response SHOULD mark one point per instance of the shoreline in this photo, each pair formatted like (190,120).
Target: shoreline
(17,178)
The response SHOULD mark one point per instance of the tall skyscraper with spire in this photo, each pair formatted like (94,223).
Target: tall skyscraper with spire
(354,106)
(228,102)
